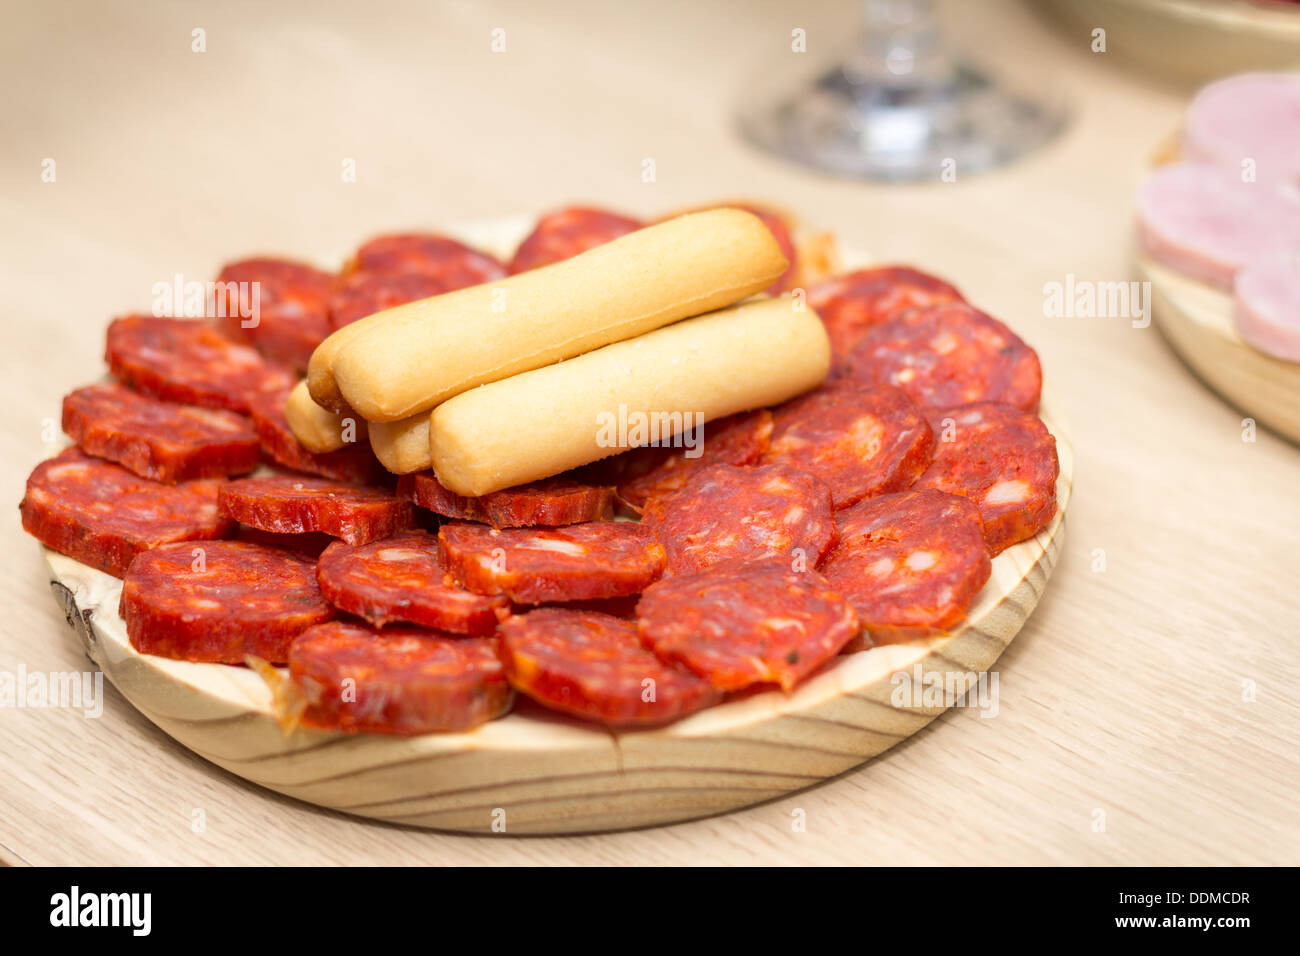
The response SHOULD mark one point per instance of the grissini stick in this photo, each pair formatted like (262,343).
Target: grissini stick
(545,421)
(402,446)
(411,358)
(318,429)
(320,371)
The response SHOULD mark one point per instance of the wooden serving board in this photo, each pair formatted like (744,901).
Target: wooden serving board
(538,772)
(1197,321)
(1188,41)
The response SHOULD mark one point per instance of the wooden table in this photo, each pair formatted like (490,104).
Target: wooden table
(1120,703)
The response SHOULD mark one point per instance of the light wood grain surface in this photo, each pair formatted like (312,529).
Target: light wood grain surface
(1122,699)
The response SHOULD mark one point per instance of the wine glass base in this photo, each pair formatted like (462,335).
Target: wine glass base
(886,129)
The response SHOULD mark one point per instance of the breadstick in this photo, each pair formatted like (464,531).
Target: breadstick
(320,367)
(410,358)
(402,446)
(543,422)
(316,428)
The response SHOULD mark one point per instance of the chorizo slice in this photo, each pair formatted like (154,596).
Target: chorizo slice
(220,601)
(1002,459)
(949,355)
(850,305)
(449,263)
(401,681)
(580,562)
(365,293)
(910,563)
(402,578)
(356,464)
(728,515)
(292,301)
(593,666)
(569,232)
(654,471)
(159,440)
(187,361)
(104,516)
(310,544)
(859,441)
(757,624)
(287,504)
(551,501)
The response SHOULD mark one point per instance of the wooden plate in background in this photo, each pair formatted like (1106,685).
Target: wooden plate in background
(1188,41)
(1197,320)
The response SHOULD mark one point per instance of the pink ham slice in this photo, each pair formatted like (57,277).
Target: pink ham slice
(1266,305)
(1255,116)
(1206,223)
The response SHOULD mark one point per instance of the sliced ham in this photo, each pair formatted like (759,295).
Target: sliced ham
(1206,222)
(1253,117)
(1266,305)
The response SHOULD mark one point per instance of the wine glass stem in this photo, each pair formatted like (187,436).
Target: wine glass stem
(900,45)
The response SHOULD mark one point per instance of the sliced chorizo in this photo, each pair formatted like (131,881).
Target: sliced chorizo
(593,666)
(1002,459)
(402,578)
(449,262)
(850,305)
(859,441)
(292,307)
(910,563)
(755,624)
(104,516)
(657,470)
(287,504)
(726,515)
(949,355)
(569,232)
(187,361)
(159,440)
(598,559)
(552,501)
(355,463)
(401,681)
(220,601)
(365,293)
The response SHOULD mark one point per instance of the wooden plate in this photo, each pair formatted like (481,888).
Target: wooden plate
(1197,320)
(1188,41)
(534,771)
